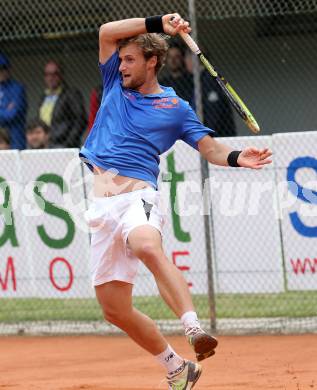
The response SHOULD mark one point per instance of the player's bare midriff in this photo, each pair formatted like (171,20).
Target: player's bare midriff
(108,183)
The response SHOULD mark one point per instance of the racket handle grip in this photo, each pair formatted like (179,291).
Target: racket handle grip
(190,42)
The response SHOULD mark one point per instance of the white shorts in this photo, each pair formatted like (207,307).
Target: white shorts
(111,219)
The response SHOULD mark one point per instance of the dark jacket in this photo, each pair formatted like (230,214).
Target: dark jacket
(218,114)
(13,108)
(69,118)
(217,111)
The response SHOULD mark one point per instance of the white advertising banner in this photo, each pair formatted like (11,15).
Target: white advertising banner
(296,169)
(44,239)
(16,268)
(247,247)
(57,232)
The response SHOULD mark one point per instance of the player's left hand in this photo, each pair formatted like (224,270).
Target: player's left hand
(254,158)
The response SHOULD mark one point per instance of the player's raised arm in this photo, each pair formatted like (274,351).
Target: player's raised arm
(110,33)
(220,154)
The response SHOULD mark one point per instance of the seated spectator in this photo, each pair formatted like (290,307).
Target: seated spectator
(62,108)
(12,105)
(4,139)
(94,104)
(38,135)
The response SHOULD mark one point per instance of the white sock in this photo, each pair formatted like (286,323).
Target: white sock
(190,319)
(169,359)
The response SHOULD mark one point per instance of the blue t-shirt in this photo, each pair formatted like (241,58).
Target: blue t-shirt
(13,107)
(131,130)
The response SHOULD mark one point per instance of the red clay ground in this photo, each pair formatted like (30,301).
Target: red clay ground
(98,363)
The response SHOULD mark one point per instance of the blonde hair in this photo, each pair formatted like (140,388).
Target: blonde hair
(151,44)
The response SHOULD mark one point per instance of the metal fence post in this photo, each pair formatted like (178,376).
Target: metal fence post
(204,172)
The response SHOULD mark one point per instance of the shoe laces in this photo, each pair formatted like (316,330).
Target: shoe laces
(172,377)
(193,330)
(178,370)
(175,384)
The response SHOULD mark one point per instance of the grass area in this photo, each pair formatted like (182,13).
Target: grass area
(289,304)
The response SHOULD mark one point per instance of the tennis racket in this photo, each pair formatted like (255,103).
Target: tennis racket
(231,94)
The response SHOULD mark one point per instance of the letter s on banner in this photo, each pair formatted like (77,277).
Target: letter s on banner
(298,163)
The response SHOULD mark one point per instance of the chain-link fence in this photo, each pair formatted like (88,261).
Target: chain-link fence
(247,269)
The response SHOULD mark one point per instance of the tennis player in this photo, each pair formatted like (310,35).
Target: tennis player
(137,121)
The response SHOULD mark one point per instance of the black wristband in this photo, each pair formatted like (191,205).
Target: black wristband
(154,24)
(233,158)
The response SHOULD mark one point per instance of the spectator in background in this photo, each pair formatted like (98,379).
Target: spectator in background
(62,108)
(217,110)
(38,135)
(12,105)
(4,139)
(94,104)
(175,74)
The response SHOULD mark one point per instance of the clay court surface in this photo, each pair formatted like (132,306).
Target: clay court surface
(97,363)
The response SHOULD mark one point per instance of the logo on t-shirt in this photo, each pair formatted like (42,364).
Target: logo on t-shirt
(129,95)
(166,102)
